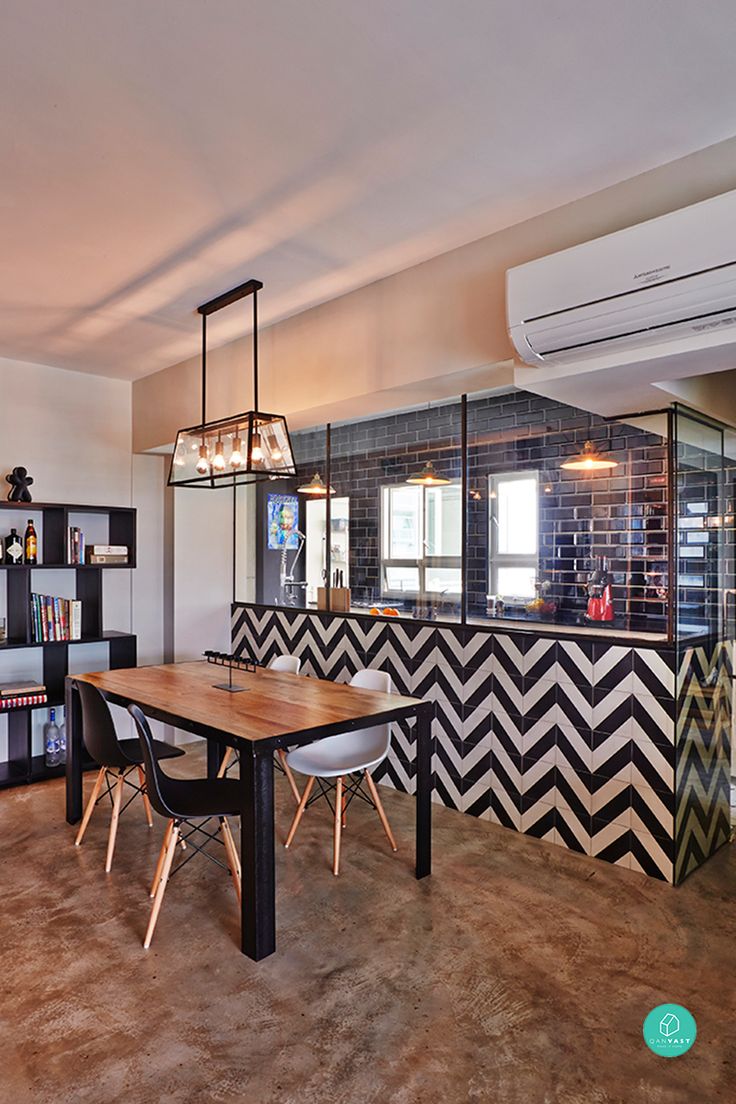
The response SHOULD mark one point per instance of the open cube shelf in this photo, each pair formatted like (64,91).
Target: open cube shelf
(22,766)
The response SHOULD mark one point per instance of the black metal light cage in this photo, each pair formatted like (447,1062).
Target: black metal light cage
(242,448)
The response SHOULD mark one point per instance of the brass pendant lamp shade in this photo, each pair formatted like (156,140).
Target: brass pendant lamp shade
(244,448)
(590,459)
(315,487)
(428,476)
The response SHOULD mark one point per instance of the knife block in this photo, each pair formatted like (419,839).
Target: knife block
(339,599)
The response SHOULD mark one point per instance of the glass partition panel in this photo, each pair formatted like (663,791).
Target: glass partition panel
(245,543)
(399,477)
(729,542)
(568,517)
(290,528)
(700,525)
(316,567)
(559,531)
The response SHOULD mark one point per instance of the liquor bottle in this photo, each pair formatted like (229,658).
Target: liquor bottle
(31,543)
(13,548)
(62,742)
(51,741)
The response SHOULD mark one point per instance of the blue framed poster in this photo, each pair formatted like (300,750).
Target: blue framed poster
(283,521)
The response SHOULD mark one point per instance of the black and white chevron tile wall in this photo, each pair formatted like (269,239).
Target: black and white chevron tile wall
(703,754)
(570,740)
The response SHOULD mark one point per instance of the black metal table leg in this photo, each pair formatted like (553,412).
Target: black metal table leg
(258,907)
(74,751)
(215,752)
(424,790)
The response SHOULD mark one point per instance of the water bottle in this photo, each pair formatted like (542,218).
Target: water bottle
(51,741)
(62,742)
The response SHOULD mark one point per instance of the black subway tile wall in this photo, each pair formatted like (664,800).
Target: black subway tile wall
(620,515)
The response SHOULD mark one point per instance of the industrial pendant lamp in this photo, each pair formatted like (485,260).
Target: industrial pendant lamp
(428,476)
(316,487)
(590,459)
(243,448)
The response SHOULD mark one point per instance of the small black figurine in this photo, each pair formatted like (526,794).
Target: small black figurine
(19,481)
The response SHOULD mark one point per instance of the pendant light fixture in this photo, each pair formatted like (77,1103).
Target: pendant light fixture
(590,459)
(243,448)
(428,476)
(316,487)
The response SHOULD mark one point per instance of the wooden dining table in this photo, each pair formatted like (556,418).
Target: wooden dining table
(274,710)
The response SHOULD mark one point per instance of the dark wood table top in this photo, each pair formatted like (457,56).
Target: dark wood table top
(275,704)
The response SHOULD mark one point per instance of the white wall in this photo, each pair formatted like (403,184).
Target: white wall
(202,567)
(73,432)
(147,495)
(197,613)
(203,529)
(245,535)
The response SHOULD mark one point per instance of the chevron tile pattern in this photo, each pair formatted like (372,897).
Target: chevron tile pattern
(702,818)
(572,741)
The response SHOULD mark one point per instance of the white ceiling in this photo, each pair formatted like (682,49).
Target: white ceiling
(157,152)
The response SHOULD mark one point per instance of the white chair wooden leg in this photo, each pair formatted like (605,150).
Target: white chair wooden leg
(338,827)
(300,811)
(161,857)
(116,803)
(144,795)
(90,806)
(232,857)
(289,774)
(161,888)
(373,790)
(229,752)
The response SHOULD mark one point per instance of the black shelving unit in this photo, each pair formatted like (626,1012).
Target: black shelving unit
(22,767)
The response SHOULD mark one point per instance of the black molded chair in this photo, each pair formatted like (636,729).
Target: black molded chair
(183,801)
(118,759)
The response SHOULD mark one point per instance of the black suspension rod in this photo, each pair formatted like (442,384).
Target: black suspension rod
(204,368)
(255,348)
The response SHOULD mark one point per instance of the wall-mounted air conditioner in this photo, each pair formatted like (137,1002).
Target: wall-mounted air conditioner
(660,289)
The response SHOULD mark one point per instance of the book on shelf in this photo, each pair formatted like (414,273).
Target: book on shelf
(74,545)
(23,701)
(79,553)
(55,619)
(20,687)
(107,554)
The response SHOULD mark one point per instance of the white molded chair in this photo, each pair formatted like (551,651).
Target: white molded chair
(291,664)
(339,757)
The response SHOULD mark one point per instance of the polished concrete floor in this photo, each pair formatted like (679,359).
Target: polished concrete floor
(517,973)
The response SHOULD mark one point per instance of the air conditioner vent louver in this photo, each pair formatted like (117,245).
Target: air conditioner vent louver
(695,324)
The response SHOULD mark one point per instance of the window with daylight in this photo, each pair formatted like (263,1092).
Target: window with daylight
(514,533)
(420,542)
